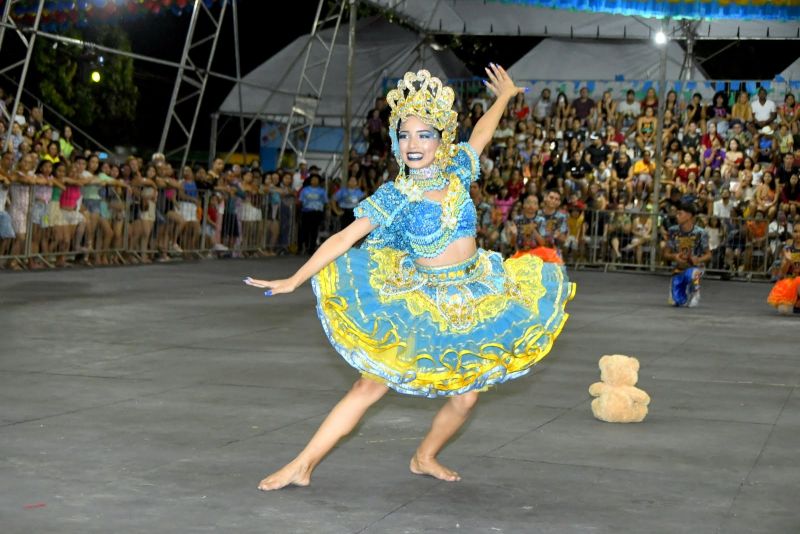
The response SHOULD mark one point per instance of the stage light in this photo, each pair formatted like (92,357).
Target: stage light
(660,37)
(96,76)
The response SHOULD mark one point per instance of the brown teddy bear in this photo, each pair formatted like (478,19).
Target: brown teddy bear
(618,401)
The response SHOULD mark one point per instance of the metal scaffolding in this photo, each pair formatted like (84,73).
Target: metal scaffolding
(309,86)
(312,80)
(689,34)
(190,83)
(194,69)
(29,41)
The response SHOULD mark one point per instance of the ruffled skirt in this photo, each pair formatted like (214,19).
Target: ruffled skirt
(784,292)
(446,330)
(545,253)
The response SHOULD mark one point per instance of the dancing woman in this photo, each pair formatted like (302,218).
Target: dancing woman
(419,308)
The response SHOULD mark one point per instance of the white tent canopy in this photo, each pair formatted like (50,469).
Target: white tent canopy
(382,50)
(792,72)
(567,59)
(478,17)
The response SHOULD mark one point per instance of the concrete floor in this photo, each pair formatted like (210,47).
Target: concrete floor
(153,399)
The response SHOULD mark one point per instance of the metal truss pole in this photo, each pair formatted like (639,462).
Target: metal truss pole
(348,115)
(689,31)
(309,92)
(190,82)
(238,72)
(29,42)
(662,99)
(212,145)
(6,20)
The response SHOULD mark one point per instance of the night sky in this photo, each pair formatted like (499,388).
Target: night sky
(261,35)
(264,32)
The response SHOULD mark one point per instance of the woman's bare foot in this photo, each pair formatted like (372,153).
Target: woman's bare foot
(294,472)
(432,467)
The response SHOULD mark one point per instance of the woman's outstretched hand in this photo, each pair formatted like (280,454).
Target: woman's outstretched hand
(273,287)
(500,83)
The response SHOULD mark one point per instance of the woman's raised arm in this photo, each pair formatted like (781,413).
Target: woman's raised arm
(503,87)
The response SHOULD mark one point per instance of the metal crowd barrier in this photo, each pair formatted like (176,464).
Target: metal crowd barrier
(145,225)
(741,248)
(141,226)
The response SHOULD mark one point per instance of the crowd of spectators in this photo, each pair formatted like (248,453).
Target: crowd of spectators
(61,205)
(584,169)
(574,175)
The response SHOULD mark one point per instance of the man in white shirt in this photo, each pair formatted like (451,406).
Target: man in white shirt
(543,107)
(487,164)
(722,207)
(298,178)
(764,110)
(627,112)
(502,134)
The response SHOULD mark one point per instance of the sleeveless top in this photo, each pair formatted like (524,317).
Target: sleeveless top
(417,225)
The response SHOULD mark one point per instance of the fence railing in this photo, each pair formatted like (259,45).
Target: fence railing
(124,225)
(622,240)
(144,225)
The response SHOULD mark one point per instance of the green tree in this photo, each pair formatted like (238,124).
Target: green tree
(105,109)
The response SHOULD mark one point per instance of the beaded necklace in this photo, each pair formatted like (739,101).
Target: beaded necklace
(430,179)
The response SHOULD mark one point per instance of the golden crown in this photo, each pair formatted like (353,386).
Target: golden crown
(424,96)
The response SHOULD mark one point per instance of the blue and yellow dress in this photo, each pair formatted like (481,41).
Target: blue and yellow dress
(437,331)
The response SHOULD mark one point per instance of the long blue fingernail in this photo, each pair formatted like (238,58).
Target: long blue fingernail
(527,89)
(268,293)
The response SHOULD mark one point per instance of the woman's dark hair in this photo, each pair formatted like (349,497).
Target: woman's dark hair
(720,94)
(42,164)
(772,183)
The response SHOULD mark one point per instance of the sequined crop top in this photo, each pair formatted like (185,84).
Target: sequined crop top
(408,221)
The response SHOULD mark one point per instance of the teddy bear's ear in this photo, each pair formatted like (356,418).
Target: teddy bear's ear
(604,361)
(634,363)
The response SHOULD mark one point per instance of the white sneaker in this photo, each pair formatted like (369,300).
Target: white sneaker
(219,247)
